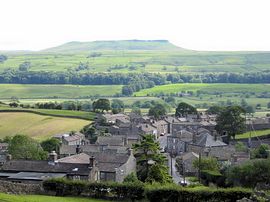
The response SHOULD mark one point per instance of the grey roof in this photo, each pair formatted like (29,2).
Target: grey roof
(146,127)
(71,149)
(106,160)
(78,158)
(111,140)
(45,166)
(35,176)
(190,155)
(207,140)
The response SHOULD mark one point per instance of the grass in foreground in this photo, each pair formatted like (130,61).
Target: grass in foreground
(40,198)
(37,126)
(256,133)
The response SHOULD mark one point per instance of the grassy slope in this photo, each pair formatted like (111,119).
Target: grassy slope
(76,46)
(61,91)
(40,198)
(256,133)
(155,61)
(210,88)
(36,126)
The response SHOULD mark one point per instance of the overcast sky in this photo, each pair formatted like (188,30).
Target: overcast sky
(193,24)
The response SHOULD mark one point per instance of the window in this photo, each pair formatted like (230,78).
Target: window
(107,176)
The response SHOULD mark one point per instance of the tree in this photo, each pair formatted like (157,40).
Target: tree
(261,152)
(214,109)
(90,133)
(3,58)
(25,66)
(136,110)
(150,162)
(101,104)
(250,173)
(118,105)
(131,178)
(157,111)
(183,109)
(230,120)
(50,145)
(24,147)
(206,163)
(268,105)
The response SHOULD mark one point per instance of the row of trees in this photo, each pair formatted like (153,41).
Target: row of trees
(87,78)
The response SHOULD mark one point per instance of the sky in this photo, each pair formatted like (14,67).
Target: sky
(192,24)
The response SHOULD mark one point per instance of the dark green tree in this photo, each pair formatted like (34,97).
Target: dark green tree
(214,110)
(90,133)
(50,145)
(183,109)
(118,105)
(261,152)
(157,111)
(150,162)
(231,121)
(101,105)
(24,147)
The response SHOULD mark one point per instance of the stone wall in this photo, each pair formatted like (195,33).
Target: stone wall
(19,188)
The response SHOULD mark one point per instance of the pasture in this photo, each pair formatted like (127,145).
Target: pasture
(256,133)
(56,91)
(37,126)
(206,88)
(171,61)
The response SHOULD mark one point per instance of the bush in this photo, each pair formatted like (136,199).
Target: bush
(176,194)
(119,191)
(138,191)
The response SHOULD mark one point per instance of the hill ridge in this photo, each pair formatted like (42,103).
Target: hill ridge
(132,44)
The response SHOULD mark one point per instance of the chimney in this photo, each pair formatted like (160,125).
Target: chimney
(78,149)
(130,151)
(53,157)
(92,162)
(8,157)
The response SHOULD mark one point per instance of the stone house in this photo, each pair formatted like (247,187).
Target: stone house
(112,166)
(76,138)
(34,171)
(187,163)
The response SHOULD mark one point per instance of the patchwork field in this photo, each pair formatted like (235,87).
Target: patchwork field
(37,126)
(205,88)
(256,133)
(56,91)
(170,61)
(40,198)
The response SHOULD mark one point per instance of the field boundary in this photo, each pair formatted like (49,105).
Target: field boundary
(41,113)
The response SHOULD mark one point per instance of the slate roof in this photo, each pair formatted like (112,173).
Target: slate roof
(106,161)
(111,140)
(35,176)
(207,140)
(71,149)
(81,158)
(45,167)
(189,155)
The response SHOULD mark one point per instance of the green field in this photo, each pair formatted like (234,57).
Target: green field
(144,56)
(41,198)
(56,91)
(37,126)
(256,133)
(205,88)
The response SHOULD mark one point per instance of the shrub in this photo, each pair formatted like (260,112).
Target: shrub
(119,191)
(176,194)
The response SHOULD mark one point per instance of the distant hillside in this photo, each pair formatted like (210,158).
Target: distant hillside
(76,46)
